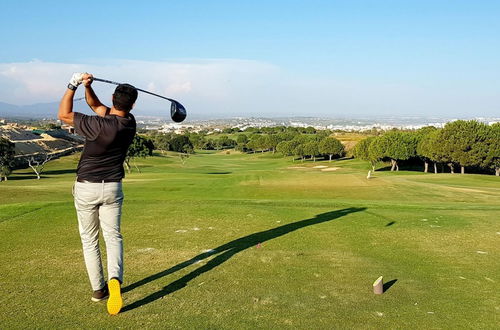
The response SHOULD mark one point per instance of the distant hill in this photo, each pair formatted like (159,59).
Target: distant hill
(37,110)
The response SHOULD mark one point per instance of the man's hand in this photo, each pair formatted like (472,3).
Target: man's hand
(87,79)
(76,80)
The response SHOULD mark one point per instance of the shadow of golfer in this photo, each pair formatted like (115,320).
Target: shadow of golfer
(226,251)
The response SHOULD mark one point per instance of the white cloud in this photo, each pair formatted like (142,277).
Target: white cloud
(202,85)
(242,87)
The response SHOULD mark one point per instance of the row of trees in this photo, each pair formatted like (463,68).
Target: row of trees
(287,142)
(460,143)
(303,147)
(172,142)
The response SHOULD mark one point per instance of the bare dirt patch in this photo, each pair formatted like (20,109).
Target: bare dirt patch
(330,169)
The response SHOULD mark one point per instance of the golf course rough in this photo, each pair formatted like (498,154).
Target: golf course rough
(191,233)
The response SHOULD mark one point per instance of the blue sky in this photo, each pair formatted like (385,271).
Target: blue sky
(263,58)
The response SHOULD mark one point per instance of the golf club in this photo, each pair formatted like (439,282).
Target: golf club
(177,110)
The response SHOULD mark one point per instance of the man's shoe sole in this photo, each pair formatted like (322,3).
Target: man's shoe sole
(115,301)
(97,299)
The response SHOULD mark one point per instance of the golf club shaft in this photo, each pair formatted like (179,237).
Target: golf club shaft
(142,90)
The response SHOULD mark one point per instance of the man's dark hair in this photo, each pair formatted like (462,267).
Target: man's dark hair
(124,97)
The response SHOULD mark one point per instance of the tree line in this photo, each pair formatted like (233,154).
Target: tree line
(463,144)
(289,141)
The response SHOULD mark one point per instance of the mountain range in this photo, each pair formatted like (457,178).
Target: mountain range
(37,110)
(30,111)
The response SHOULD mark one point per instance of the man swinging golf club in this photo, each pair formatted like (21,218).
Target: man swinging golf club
(98,188)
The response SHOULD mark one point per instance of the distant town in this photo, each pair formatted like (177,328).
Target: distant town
(348,125)
(217,125)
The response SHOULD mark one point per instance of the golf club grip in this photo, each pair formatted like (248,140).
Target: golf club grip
(106,81)
(142,90)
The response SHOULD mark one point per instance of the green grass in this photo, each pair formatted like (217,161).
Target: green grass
(324,236)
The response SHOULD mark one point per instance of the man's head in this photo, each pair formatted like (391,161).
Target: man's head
(124,97)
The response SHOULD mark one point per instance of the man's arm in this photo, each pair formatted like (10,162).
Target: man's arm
(92,99)
(66,107)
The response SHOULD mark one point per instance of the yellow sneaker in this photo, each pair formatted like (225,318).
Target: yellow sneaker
(115,301)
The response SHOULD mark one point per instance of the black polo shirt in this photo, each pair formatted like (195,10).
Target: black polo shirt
(106,143)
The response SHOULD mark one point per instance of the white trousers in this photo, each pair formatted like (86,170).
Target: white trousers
(98,206)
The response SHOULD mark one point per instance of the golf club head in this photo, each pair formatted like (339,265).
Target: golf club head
(177,112)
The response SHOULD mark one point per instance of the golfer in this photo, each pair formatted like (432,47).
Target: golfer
(97,191)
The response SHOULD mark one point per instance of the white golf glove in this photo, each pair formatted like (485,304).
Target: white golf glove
(76,80)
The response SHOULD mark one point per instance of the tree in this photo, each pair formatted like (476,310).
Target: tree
(362,151)
(301,139)
(287,135)
(208,144)
(426,149)
(299,151)
(425,137)
(309,130)
(259,142)
(178,142)
(311,149)
(492,159)
(241,139)
(439,151)
(287,148)
(197,139)
(140,147)
(375,151)
(466,142)
(252,145)
(37,163)
(187,150)
(323,134)
(272,141)
(241,142)
(398,145)
(332,147)
(7,152)
(263,143)
(162,142)
(224,142)
(284,148)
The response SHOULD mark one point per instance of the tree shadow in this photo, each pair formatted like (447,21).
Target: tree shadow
(19,176)
(32,176)
(388,285)
(226,251)
(390,223)
(57,172)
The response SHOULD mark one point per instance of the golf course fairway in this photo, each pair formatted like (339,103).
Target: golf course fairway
(237,241)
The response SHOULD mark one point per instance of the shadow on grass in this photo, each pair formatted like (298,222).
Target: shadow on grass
(388,285)
(22,176)
(32,176)
(57,172)
(226,251)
